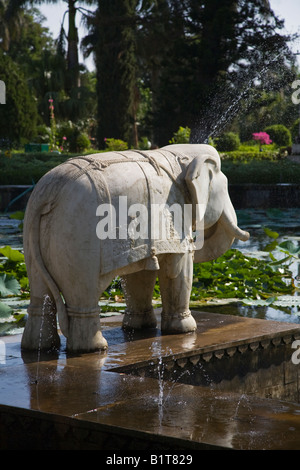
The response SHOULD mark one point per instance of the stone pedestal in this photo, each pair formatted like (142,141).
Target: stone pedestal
(209,389)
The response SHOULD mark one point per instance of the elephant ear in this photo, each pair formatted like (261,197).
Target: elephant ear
(219,237)
(198,178)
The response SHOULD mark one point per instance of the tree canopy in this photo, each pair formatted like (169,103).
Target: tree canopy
(18,117)
(160,64)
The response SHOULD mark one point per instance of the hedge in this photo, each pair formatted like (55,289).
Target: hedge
(28,168)
(262,172)
(249,155)
(240,168)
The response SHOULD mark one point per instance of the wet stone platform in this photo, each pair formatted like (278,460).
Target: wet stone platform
(230,385)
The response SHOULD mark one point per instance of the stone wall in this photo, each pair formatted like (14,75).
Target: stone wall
(243,196)
(22,429)
(257,196)
(262,368)
(14,198)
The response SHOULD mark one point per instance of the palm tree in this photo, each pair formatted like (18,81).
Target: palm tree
(73,66)
(112,40)
(11,23)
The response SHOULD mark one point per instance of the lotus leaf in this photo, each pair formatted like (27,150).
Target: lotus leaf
(5,310)
(12,255)
(9,285)
(239,276)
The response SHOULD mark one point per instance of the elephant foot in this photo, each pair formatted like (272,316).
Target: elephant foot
(40,332)
(84,334)
(178,323)
(139,321)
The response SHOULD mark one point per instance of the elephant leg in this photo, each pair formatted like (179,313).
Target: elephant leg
(175,279)
(138,291)
(84,332)
(40,332)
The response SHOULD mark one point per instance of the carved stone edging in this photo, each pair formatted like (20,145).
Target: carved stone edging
(242,348)
(193,358)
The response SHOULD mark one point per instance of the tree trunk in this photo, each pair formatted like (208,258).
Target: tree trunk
(72,57)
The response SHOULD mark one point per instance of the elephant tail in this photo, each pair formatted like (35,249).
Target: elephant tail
(32,223)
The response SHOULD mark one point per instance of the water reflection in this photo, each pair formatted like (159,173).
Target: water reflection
(286,222)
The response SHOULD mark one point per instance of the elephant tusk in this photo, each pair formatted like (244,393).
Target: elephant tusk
(233,228)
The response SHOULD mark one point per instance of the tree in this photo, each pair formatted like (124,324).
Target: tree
(260,62)
(210,53)
(11,23)
(18,117)
(159,33)
(43,63)
(73,66)
(114,46)
(72,70)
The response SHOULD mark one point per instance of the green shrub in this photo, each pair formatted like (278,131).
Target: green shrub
(43,134)
(182,136)
(227,142)
(83,142)
(295,129)
(115,145)
(279,134)
(18,117)
(28,168)
(144,143)
(250,154)
(261,172)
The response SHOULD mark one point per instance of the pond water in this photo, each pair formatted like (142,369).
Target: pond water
(285,222)
(10,233)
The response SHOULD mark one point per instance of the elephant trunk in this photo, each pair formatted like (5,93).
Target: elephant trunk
(230,225)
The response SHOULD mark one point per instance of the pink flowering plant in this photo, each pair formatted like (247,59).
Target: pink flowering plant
(64,139)
(262,137)
(54,144)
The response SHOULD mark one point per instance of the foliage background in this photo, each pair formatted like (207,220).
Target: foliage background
(210,65)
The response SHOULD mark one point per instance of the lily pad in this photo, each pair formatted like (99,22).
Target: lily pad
(11,254)
(270,233)
(287,301)
(18,215)
(5,310)
(9,285)
(259,302)
(289,247)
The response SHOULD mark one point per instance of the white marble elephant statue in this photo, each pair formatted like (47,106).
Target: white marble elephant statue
(136,214)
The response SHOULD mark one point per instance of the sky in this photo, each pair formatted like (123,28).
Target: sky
(289,10)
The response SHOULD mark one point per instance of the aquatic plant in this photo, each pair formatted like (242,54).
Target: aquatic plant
(239,277)
(13,266)
(14,288)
